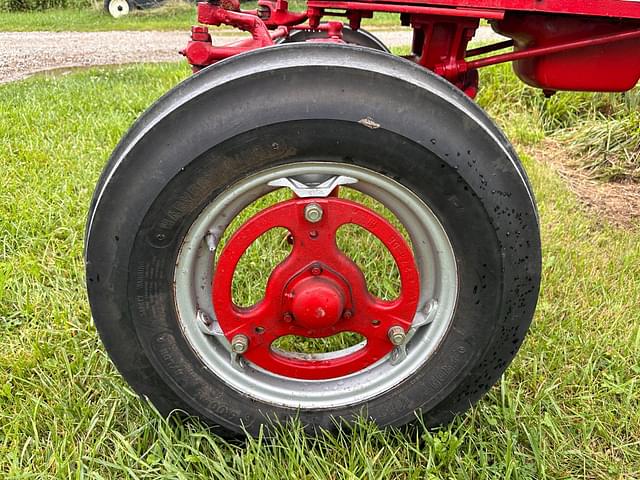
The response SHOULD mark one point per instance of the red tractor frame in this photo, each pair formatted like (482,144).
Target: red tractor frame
(557,45)
(310,126)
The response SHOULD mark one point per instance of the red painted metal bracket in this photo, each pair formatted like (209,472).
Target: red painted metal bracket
(275,13)
(200,51)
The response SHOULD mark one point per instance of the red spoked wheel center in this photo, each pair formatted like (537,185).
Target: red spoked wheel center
(316,292)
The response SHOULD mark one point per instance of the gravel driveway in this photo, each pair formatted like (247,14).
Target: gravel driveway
(25,53)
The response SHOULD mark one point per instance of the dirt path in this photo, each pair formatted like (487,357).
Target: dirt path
(25,53)
(619,203)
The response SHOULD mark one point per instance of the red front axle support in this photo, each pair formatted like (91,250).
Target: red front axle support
(317,291)
(550,51)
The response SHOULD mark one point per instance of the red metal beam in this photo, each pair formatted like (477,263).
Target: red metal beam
(563,47)
(388,6)
(602,8)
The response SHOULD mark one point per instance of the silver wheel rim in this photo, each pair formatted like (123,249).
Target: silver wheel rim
(118,8)
(435,260)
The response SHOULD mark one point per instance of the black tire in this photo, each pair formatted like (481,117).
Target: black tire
(358,37)
(418,129)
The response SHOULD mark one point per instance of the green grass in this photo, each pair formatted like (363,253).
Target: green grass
(602,131)
(567,407)
(175,16)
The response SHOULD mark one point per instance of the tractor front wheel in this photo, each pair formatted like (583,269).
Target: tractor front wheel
(317,232)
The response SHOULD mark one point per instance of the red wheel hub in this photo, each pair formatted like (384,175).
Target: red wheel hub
(317,303)
(317,291)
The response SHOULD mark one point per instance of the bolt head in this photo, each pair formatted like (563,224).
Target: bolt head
(204,318)
(313,213)
(239,343)
(316,271)
(397,335)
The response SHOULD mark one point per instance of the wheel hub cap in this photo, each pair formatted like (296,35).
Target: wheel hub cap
(317,291)
(317,303)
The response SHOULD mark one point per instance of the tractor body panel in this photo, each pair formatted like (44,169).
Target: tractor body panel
(612,66)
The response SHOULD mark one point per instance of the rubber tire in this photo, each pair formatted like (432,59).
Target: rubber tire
(131,4)
(160,177)
(358,37)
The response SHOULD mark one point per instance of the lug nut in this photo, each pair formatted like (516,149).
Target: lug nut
(204,318)
(397,335)
(313,213)
(240,343)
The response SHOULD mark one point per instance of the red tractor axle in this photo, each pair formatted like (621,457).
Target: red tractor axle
(550,51)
